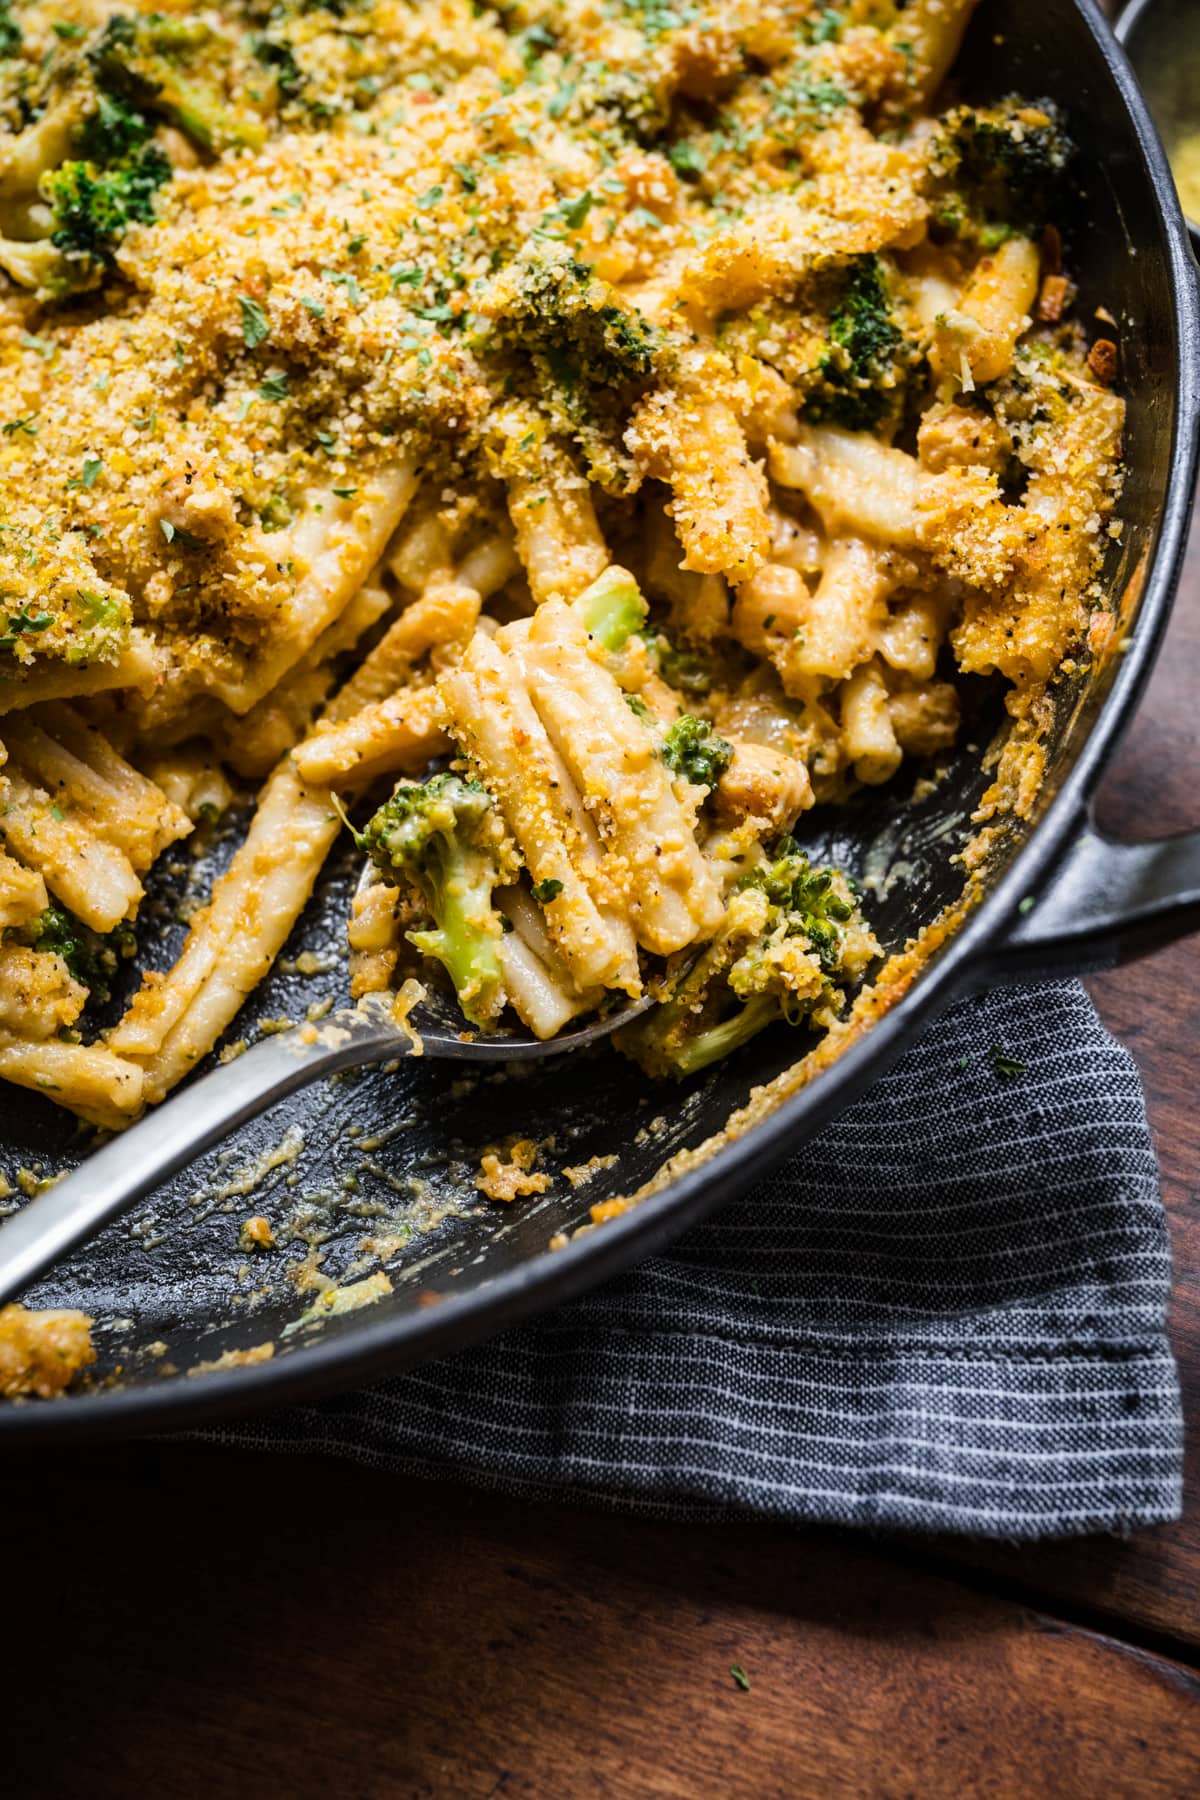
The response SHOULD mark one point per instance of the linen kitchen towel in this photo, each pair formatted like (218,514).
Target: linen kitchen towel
(947,1311)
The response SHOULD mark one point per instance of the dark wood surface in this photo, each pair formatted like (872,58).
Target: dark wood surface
(180,1622)
(239,1626)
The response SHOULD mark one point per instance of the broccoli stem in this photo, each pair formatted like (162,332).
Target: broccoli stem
(466,936)
(444,837)
(690,1055)
(134,62)
(612,608)
(202,117)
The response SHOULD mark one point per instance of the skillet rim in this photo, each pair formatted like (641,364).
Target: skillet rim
(385,1345)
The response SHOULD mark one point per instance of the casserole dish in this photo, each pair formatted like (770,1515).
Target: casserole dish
(390,1156)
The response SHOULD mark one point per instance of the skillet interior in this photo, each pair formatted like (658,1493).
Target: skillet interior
(385,1156)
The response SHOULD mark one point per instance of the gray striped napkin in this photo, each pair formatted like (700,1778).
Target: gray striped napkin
(946,1312)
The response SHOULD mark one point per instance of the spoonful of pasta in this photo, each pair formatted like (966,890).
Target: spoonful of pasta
(381,1028)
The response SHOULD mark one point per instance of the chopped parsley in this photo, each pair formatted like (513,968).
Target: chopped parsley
(686,160)
(256,327)
(572,213)
(175,534)
(19,624)
(545,891)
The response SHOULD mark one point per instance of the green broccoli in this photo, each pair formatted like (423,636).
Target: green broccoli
(10,31)
(281,11)
(113,131)
(691,748)
(612,608)
(91,208)
(139,61)
(90,957)
(792,933)
(445,838)
(1003,169)
(277,55)
(689,669)
(113,171)
(556,306)
(586,353)
(866,362)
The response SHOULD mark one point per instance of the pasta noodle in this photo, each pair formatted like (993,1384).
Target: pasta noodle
(493,718)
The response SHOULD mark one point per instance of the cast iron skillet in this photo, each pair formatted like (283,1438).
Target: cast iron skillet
(384,1154)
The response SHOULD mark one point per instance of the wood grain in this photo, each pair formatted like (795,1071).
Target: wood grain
(252,1626)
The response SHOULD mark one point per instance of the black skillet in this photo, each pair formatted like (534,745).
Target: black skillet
(171,1287)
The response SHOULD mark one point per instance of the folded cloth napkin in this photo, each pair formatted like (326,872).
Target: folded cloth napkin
(945,1312)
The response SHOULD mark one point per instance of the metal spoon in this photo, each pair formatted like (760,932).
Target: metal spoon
(151,1151)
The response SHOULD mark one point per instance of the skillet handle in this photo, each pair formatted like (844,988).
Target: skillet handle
(1106,903)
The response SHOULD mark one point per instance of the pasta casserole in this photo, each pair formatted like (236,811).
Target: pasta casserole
(615,427)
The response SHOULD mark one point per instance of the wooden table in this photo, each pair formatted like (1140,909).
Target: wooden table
(180,1622)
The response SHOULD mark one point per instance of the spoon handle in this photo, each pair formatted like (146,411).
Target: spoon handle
(139,1159)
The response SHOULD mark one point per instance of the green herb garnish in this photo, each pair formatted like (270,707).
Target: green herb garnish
(256,327)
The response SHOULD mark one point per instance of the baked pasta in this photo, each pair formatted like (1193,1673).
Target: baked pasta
(612,424)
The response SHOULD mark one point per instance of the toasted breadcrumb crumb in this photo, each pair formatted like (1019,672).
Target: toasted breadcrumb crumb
(506,1171)
(41,1353)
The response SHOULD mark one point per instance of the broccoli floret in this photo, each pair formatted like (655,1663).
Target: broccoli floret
(90,957)
(691,748)
(791,934)
(558,307)
(278,56)
(138,60)
(445,838)
(282,10)
(1003,167)
(612,608)
(92,207)
(692,670)
(866,363)
(114,130)
(589,353)
(817,903)
(10,31)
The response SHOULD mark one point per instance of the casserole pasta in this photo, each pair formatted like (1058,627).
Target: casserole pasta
(642,414)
